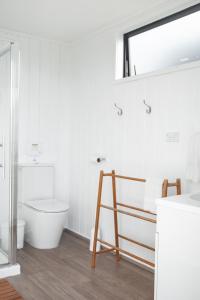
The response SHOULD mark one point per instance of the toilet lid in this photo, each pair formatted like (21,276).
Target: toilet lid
(50,205)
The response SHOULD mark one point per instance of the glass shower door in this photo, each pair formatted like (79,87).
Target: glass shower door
(7,157)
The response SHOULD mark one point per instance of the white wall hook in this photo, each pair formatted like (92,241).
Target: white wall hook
(148,110)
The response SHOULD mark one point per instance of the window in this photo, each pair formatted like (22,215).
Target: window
(168,42)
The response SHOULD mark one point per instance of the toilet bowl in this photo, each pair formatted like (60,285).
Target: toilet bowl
(45,220)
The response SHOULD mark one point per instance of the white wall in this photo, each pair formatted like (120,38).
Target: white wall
(134,144)
(67,106)
(43,109)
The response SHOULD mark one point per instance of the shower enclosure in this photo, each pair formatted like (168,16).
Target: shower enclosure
(9,61)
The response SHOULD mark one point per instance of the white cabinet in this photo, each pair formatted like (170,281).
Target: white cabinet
(177,275)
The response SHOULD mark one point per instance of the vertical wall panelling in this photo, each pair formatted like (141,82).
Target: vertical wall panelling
(44,104)
(134,144)
(34,92)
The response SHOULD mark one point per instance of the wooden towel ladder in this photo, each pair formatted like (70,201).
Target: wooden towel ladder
(115,248)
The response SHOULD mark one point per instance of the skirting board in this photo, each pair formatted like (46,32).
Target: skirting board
(78,235)
(122,255)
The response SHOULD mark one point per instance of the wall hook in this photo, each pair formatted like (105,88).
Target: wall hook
(120,110)
(148,110)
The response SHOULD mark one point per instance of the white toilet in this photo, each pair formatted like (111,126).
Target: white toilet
(45,216)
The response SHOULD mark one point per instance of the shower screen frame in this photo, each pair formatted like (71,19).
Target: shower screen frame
(13,50)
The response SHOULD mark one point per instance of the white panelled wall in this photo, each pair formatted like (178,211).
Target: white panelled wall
(134,144)
(43,97)
(67,101)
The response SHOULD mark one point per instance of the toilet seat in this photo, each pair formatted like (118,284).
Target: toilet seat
(48,205)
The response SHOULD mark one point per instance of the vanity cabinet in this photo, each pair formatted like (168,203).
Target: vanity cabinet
(177,274)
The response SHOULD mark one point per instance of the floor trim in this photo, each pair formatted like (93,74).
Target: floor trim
(77,235)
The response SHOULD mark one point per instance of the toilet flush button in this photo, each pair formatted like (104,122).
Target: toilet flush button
(173,137)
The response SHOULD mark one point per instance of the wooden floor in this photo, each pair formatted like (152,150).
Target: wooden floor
(64,273)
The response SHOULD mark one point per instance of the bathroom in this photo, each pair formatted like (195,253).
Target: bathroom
(73,107)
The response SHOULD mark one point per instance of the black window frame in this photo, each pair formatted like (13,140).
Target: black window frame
(160,22)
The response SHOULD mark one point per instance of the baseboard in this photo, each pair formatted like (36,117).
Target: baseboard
(76,234)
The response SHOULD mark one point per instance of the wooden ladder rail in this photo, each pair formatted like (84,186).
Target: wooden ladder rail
(93,263)
(115,210)
(115,215)
(166,185)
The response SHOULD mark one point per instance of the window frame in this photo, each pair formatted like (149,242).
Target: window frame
(160,22)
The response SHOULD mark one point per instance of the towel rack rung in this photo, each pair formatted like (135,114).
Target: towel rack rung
(136,208)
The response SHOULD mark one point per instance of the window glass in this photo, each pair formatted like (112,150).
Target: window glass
(174,43)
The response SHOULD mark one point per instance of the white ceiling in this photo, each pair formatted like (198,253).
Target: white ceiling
(67,20)
(64,19)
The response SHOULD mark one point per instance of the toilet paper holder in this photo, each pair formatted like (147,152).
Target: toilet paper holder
(100,159)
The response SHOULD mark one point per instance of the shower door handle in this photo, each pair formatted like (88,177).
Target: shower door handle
(2,164)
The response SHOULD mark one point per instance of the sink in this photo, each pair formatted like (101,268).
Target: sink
(195,196)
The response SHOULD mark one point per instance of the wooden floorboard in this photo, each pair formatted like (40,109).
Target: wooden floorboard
(64,273)
(7,292)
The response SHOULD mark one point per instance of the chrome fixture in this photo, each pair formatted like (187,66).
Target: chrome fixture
(119,110)
(148,110)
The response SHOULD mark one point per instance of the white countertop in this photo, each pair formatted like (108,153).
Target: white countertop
(183,202)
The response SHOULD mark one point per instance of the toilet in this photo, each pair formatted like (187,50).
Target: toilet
(44,215)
